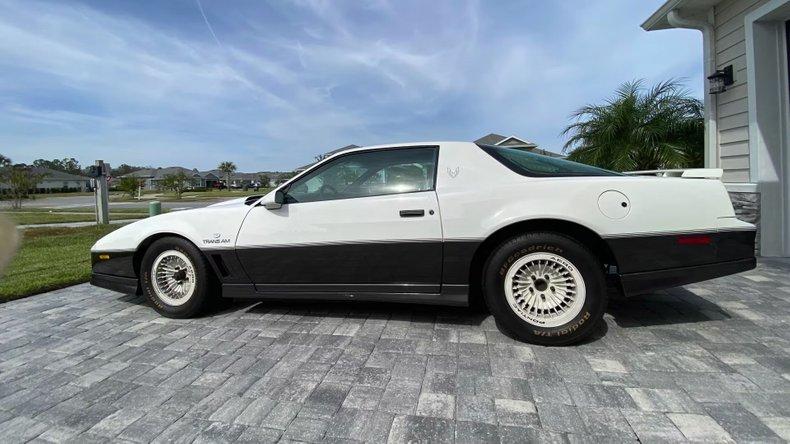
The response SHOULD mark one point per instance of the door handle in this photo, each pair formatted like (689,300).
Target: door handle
(412,213)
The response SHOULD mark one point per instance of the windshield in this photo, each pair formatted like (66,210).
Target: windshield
(530,164)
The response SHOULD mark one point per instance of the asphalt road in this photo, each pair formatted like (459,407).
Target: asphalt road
(63,202)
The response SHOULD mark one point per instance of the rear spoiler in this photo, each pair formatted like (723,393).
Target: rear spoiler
(691,173)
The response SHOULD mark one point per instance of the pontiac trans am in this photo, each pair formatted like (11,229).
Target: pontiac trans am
(537,238)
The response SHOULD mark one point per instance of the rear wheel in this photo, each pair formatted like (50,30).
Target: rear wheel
(545,288)
(176,278)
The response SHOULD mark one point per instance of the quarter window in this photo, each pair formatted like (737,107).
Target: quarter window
(368,173)
(531,164)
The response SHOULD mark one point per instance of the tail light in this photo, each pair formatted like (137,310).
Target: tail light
(702,239)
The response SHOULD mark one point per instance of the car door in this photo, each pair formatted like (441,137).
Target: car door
(364,222)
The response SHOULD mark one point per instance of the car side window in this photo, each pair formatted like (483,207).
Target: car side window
(370,173)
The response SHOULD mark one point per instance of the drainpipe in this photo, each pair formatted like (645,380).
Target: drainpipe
(711,136)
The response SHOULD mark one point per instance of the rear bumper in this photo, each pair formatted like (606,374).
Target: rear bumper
(120,284)
(653,262)
(636,283)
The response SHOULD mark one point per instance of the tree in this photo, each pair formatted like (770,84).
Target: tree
(5,162)
(228,168)
(19,179)
(67,165)
(284,177)
(71,165)
(639,129)
(176,183)
(264,180)
(129,185)
(51,164)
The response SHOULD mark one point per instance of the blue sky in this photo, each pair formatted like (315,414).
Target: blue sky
(269,85)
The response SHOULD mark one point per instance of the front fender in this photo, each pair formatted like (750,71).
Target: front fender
(208,228)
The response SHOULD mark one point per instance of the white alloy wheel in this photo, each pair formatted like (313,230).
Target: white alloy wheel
(544,289)
(173,277)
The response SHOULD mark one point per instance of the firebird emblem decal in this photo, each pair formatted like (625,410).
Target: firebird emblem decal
(453,172)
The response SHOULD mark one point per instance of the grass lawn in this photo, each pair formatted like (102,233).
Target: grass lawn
(50,258)
(24,217)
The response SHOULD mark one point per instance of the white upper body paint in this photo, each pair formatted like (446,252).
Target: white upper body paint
(475,196)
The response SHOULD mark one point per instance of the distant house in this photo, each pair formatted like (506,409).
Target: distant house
(240,180)
(54,181)
(152,177)
(323,156)
(57,181)
(514,142)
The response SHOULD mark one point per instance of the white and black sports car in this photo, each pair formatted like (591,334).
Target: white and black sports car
(536,237)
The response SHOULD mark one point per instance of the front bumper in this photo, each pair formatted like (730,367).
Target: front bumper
(120,284)
(114,271)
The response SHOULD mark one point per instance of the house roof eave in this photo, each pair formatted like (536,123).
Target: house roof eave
(696,9)
(48,174)
(525,143)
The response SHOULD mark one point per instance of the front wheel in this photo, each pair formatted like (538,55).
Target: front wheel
(545,288)
(175,278)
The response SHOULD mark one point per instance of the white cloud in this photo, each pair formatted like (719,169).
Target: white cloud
(290,80)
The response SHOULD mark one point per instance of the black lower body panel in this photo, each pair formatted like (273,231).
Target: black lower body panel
(385,271)
(121,284)
(384,262)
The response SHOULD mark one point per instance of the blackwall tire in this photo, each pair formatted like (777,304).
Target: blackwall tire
(176,279)
(545,288)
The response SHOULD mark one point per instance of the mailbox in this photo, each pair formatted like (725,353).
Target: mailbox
(94,171)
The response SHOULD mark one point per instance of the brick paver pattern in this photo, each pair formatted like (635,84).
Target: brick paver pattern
(706,362)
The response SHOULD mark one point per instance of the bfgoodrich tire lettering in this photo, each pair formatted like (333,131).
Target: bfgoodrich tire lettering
(197,271)
(545,288)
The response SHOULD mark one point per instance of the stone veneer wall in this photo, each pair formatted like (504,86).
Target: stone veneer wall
(747,209)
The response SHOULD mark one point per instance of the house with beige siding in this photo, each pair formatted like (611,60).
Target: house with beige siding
(747,104)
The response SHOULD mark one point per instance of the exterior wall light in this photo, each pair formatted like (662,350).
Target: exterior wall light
(720,80)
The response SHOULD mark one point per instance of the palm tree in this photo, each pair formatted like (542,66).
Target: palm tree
(639,129)
(228,168)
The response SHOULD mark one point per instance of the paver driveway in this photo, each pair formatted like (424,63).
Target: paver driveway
(711,361)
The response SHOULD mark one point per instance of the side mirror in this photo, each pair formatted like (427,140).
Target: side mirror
(277,203)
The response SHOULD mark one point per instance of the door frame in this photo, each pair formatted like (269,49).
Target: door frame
(769,121)
(419,292)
